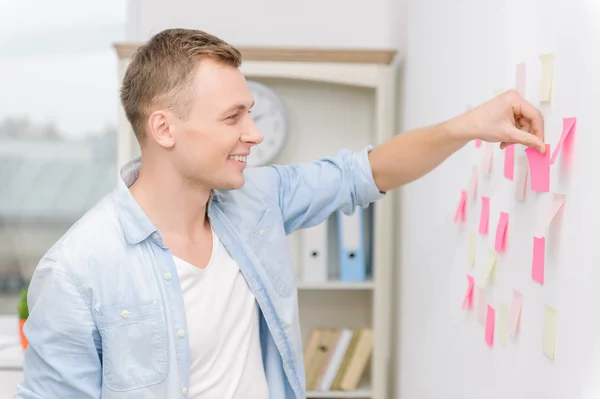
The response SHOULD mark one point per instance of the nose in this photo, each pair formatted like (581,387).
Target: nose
(252,134)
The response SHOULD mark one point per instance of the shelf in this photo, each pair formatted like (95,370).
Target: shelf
(336,285)
(363,391)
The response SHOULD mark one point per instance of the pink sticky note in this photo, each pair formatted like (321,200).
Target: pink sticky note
(539,253)
(488,159)
(509,161)
(477,143)
(520,79)
(473,182)
(515,313)
(485,215)
(490,321)
(501,232)
(558,201)
(461,209)
(565,137)
(521,183)
(468,301)
(539,166)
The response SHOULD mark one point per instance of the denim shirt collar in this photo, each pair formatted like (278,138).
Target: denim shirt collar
(136,225)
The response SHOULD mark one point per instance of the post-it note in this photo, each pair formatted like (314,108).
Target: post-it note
(490,321)
(500,244)
(509,162)
(558,201)
(520,79)
(539,166)
(481,304)
(547,61)
(503,324)
(473,182)
(468,300)
(484,217)
(514,319)
(472,248)
(539,254)
(488,159)
(549,337)
(461,209)
(477,143)
(489,270)
(565,138)
(521,183)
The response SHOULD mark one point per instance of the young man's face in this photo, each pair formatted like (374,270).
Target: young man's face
(209,148)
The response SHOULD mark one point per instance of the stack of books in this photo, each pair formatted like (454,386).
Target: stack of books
(335,359)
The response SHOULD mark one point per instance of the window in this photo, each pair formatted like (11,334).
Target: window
(58,122)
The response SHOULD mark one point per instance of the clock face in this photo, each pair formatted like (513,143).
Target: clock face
(270,117)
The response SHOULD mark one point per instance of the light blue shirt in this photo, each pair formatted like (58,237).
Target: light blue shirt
(107,317)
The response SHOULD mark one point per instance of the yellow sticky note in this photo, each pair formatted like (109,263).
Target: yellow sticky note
(547,61)
(503,324)
(472,248)
(489,271)
(549,338)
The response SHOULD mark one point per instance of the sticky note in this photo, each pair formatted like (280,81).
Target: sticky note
(509,162)
(477,143)
(481,305)
(547,61)
(488,159)
(484,217)
(539,254)
(473,182)
(468,300)
(503,324)
(514,319)
(520,79)
(500,244)
(472,248)
(461,209)
(565,138)
(558,201)
(549,337)
(539,167)
(489,270)
(490,321)
(521,183)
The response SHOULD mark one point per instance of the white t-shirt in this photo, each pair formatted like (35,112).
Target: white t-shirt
(222,316)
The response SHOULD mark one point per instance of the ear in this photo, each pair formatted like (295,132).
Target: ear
(160,129)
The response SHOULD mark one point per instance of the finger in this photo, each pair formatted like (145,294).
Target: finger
(523,109)
(528,139)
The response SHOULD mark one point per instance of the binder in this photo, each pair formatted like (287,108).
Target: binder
(351,246)
(314,248)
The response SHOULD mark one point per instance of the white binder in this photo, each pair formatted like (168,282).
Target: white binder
(314,253)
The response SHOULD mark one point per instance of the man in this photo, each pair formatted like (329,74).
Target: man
(179,284)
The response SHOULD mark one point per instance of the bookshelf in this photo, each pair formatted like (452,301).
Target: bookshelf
(336,98)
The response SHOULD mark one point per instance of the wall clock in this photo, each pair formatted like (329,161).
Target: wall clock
(270,117)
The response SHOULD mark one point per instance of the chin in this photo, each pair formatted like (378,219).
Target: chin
(233,184)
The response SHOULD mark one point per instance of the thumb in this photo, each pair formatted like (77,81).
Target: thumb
(527,139)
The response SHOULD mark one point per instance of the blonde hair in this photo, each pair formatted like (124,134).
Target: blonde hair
(161,72)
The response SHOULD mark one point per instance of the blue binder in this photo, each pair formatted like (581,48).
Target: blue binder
(351,246)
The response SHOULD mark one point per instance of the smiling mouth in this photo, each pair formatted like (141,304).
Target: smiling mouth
(239,158)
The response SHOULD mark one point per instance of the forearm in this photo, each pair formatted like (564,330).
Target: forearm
(413,154)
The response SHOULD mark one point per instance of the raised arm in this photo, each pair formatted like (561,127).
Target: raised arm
(62,359)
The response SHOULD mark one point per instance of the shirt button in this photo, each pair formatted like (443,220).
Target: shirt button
(155,236)
(184,390)
(167,276)
(125,314)
(181,333)
(262,233)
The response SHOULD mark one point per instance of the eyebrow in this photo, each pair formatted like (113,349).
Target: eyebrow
(237,107)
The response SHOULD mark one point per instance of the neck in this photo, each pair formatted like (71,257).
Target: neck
(175,206)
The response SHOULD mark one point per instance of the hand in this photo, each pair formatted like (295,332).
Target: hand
(507,119)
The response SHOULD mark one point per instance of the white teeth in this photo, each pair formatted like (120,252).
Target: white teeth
(240,158)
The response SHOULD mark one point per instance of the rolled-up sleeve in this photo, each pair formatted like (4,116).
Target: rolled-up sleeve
(62,359)
(309,193)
